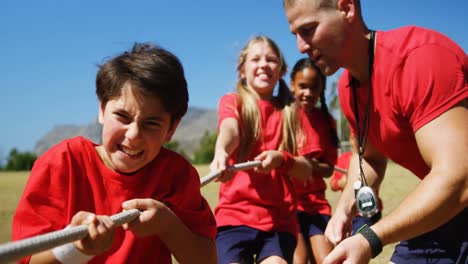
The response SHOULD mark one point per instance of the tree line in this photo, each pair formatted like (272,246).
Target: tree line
(23,161)
(18,161)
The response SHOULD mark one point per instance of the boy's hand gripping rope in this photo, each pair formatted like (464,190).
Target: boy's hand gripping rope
(29,246)
(18,249)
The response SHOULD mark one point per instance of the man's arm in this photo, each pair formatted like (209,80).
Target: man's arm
(374,165)
(443,193)
(440,196)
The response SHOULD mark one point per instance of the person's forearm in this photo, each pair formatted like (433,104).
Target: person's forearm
(434,202)
(44,258)
(304,168)
(226,145)
(228,138)
(322,169)
(372,169)
(186,246)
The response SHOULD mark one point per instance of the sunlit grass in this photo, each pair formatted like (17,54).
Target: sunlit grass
(11,188)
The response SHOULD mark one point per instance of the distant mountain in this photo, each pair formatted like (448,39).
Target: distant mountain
(60,132)
(188,134)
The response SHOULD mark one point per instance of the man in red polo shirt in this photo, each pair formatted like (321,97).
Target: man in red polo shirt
(405,94)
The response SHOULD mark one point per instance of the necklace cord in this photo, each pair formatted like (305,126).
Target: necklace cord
(354,83)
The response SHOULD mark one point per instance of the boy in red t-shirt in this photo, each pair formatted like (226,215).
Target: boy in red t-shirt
(142,98)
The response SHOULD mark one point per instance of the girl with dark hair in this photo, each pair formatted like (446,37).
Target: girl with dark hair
(313,210)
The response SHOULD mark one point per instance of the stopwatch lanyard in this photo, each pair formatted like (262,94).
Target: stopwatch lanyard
(363,131)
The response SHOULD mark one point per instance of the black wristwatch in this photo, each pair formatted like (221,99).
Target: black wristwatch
(372,238)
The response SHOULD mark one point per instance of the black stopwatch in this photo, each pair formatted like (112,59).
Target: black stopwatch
(366,201)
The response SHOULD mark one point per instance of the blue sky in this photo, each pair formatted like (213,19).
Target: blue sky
(49,49)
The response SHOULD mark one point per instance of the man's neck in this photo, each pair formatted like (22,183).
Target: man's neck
(359,63)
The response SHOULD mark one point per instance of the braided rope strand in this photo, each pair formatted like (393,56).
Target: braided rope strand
(21,248)
(239,166)
(341,170)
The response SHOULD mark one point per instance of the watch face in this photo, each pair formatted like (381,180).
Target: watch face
(366,202)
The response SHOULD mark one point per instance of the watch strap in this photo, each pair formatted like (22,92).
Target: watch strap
(371,237)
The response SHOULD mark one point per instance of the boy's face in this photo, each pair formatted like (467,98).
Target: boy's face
(134,128)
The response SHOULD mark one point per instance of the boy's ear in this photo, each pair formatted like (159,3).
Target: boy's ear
(172,130)
(101,113)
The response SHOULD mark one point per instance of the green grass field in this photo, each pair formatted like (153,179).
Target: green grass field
(398,182)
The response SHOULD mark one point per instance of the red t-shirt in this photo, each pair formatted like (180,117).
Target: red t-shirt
(311,195)
(261,201)
(418,74)
(342,163)
(71,177)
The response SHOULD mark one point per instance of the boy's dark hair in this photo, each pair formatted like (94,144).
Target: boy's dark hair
(150,69)
(308,63)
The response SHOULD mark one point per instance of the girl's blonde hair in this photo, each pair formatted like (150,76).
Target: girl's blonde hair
(251,131)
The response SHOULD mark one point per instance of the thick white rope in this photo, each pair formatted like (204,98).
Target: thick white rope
(29,246)
(245,166)
(18,249)
(239,166)
(338,169)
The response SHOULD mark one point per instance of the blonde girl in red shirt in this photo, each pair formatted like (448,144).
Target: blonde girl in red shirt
(256,212)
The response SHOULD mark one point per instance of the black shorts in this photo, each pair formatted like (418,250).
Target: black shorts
(243,244)
(446,244)
(311,225)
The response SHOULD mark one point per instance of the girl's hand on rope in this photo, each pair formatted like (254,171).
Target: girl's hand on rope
(101,231)
(154,217)
(221,163)
(271,159)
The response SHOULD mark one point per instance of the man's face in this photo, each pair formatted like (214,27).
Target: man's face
(320,32)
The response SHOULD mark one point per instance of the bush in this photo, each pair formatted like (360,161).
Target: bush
(205,153)
(175,146)
(20,161)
